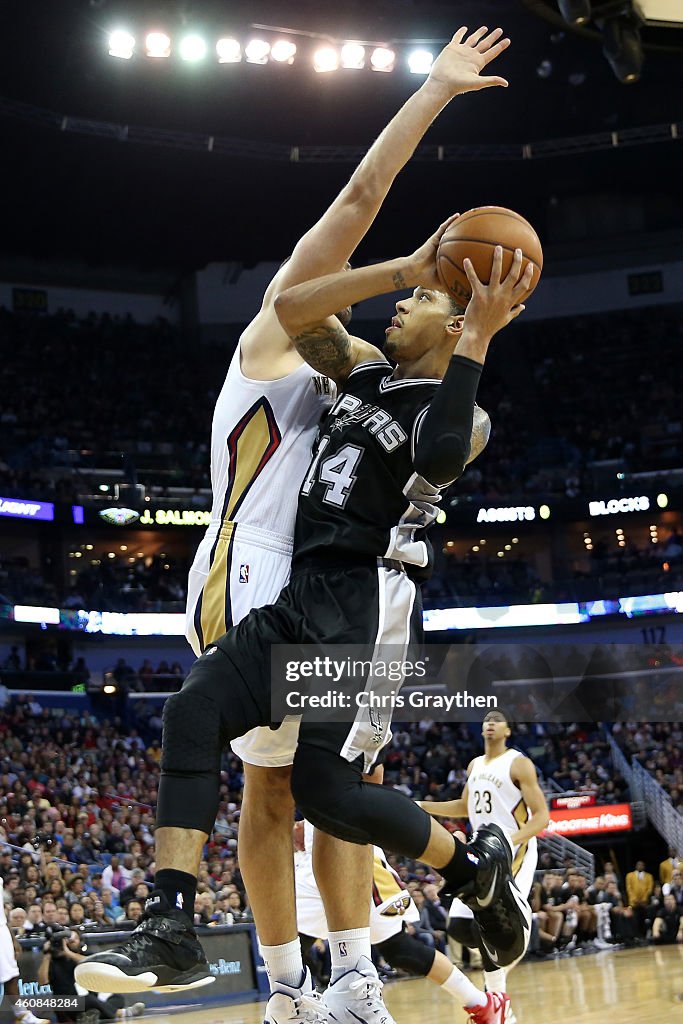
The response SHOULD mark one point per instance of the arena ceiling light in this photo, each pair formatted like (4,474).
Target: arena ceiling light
(157,45)
(228,51)
(575,12)
(325,59)
(420,62)
(382,59)
(193,48)
(121,44)
(353,55)
(283,51)
(257,51)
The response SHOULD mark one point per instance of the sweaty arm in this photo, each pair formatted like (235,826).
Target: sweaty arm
(523,773)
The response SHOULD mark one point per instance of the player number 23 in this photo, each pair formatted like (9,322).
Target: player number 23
(482,802)
(337,471)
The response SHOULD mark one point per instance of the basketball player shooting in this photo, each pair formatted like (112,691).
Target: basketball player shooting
(359,535)
(264,426)
(502,788)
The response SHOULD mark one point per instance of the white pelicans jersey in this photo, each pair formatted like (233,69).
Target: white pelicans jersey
(261,440)
(493,798)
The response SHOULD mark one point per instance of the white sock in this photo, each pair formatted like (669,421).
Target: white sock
(284,963)
(346,949)
(495,981)
(461,988)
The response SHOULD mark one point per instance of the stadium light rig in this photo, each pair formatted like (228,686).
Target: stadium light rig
(279,46)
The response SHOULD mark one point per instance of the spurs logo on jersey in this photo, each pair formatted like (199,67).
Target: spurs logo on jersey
(361,495)
(261,441)
(379,423)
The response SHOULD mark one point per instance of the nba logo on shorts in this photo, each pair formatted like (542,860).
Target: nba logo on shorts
(342,949)
(244,573)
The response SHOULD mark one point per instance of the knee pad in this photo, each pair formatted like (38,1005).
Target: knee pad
(408,953)
(325,787)
(331,793)
(464,930)
(192,733)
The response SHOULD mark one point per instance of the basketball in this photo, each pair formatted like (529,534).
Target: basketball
(475,236)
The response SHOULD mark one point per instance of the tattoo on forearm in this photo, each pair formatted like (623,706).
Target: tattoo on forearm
(326,348)
(399,280)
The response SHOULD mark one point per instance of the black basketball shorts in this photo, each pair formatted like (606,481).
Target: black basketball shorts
(378,607)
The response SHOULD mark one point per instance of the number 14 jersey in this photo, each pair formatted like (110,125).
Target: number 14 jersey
(361,497)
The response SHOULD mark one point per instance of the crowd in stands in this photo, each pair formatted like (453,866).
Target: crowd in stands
(151,584)
(156,584)
(77,796)
(556,407)
(479,578)
(658,747)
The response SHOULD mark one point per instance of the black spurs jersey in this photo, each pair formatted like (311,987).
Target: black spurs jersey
(361,496)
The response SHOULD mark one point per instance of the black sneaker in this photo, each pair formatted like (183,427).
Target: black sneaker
(502,913)
(490,850)
(163,953)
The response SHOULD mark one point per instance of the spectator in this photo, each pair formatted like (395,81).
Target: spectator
(34,924)
(112,877)
(113,912)
(668,866)
(17,920)
(639,887)
(667,927)
(133,910)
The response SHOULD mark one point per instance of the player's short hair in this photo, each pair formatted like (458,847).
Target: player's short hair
(500,713)
(456,308)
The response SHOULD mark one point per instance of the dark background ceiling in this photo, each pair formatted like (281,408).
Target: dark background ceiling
(71,196)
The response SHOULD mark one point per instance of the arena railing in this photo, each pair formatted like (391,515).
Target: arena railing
(560,848)
(622,766)
(660,810)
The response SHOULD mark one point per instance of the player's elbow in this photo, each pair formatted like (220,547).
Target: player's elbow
(366,189)
(441,465)
(287,311)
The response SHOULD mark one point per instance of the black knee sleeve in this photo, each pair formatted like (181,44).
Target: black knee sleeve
(408,953)
(464,930)
(199,721)
(331,794)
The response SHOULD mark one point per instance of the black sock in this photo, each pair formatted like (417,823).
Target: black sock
(460,868)
(179,888)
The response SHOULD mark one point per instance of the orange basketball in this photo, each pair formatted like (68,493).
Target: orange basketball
(475,236)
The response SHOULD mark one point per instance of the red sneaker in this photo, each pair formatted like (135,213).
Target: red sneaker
(493,1013)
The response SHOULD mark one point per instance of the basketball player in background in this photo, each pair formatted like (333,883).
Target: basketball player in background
(264,426)
(501,788)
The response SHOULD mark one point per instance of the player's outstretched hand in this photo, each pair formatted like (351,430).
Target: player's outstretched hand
(423,261)
(495,304)
(459,66)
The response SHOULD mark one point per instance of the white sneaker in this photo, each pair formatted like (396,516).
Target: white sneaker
(356,997)
(602,944)
(26,1017)
(295,1005)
